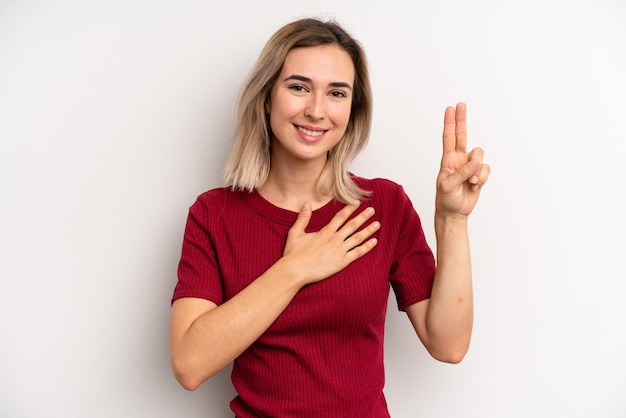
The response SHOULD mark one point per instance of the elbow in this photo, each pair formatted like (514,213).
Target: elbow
(188,382)
(449,347)
(449,354)
(186,379)
(452,357)
(189,369)
(187,376)
(191,374)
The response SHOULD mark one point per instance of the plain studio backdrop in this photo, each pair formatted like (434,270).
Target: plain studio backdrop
(115,115)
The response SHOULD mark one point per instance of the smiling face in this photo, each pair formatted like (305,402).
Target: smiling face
(310,103)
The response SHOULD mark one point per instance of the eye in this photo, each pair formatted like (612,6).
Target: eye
(297,88)
(338,94)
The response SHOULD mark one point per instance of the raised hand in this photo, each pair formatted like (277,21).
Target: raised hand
(462,174)
(317,255)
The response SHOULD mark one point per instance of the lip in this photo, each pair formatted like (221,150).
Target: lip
(320,133)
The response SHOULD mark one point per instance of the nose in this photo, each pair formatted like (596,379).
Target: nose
(314,108)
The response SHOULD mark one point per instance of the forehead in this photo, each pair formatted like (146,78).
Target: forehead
(322,62)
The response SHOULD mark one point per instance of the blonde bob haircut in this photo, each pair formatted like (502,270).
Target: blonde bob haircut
(249,162)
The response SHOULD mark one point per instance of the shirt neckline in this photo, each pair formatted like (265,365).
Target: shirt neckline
(319,218)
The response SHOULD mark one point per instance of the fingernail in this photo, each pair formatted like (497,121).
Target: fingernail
(370,211)
(305,206)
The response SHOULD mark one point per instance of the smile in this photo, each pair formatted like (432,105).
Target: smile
(310,132)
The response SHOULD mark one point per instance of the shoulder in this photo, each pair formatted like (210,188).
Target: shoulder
(387,196)
(216,194)
(213,201)
(221,195)
(376,183)
(379,186)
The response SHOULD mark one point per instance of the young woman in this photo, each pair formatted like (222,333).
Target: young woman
(287,272)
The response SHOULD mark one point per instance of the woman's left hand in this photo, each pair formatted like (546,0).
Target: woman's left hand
(462,174)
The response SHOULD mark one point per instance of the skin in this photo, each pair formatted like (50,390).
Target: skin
(314,91)
(444,322)
(309,110)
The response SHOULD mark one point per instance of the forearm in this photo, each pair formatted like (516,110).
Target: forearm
(218,336)
(449,317)
(204,337)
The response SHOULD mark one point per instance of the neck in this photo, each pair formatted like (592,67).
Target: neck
(290,185)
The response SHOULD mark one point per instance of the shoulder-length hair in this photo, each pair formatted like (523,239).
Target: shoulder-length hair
(249,163)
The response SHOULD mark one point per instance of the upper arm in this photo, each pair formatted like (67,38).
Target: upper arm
(449,348)
(417,315)
(185,311)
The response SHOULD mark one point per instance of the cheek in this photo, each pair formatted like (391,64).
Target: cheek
(280,123)
(284,109)
(273,125)
(341,116)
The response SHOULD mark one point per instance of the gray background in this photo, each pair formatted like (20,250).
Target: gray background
(115,115)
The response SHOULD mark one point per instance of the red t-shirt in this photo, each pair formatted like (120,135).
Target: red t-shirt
(323,356)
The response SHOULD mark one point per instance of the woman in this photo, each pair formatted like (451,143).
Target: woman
(287,271)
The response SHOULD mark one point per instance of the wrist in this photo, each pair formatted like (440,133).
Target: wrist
(289,273)
(450,218)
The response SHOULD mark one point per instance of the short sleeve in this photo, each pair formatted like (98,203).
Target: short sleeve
(413,267)
(198,269)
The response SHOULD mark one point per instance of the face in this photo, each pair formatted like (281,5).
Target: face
(310,103)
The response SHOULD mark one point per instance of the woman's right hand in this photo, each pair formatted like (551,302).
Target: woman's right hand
(315,256)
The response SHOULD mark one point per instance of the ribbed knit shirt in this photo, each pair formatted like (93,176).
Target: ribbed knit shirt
(323,356)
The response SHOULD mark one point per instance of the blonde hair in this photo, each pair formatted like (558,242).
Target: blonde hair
(249,163)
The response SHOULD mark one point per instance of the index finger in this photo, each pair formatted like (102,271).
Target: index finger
(449,130)
(455,129)
(342,216)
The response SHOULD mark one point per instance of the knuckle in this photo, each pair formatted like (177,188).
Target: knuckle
(357,252)
(354,223)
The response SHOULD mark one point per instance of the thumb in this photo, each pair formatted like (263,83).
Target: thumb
(471,169)
(460,176)
(304,216)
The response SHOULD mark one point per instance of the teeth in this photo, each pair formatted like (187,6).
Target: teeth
(310,133)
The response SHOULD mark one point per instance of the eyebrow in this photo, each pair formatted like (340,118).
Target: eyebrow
(308,80)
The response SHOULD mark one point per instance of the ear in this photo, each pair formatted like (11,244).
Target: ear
(267,106)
